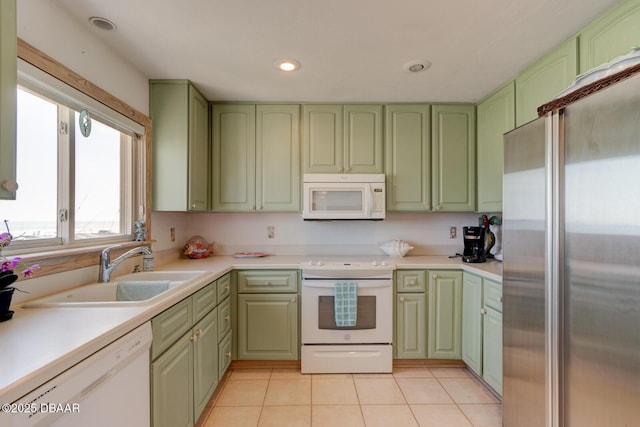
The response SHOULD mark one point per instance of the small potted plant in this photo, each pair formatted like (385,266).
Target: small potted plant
(8,268)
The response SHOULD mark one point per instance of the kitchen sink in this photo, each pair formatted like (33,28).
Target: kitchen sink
(133,289)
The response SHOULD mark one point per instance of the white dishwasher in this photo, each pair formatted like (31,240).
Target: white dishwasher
(109,388)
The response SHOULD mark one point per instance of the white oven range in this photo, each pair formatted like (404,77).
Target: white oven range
(366,345)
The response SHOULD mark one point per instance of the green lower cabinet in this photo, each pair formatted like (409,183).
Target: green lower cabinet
(172,386)
(411,325)
(224,354)
(492,351)
(268,326)
(445,314)
(472,322)
(205,361)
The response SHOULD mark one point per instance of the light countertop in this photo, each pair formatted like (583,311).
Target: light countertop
(40,343)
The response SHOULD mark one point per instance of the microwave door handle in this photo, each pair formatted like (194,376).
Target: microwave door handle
(369,201)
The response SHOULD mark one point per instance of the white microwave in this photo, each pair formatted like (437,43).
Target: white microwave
(343,196)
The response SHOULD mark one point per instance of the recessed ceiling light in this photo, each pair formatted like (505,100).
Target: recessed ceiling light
(287,65)
(102,23)
(417,65)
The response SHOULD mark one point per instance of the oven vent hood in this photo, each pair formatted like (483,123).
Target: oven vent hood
(343,197)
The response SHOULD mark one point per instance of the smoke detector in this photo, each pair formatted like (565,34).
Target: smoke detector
(416,65)
(102,23)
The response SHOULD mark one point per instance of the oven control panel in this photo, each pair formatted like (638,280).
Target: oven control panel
(373,264)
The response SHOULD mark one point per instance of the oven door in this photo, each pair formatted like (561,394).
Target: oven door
(374,323)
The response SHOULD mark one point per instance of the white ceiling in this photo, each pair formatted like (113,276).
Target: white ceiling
(350,50)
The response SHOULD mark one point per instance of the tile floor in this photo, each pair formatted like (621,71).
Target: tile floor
(415,396)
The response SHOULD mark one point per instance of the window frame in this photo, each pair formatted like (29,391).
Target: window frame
(60,258)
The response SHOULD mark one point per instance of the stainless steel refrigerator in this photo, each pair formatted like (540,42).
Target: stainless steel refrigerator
(571,239)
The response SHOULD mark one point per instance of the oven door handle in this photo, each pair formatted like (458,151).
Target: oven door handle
(331,285)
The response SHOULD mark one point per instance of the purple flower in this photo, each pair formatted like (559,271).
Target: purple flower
(9,264)
(5,239)
(30,271)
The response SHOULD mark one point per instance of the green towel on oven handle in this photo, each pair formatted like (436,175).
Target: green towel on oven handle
(346,303)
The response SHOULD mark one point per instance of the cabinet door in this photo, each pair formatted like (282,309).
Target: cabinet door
(224,355)
(539,83)
(268,326)
(224,318)
(233,171)
(492,354)
(611,35)
(172,385)
(472,322)
(278,158)
(322,138)
(198,169)
(362,139)
(445,314)
(170,325)
(453,157)
(408,157)
(496,116)
(8,83)
(411,333)
(205,361)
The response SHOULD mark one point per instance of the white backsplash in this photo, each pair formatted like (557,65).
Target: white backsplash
(428,233)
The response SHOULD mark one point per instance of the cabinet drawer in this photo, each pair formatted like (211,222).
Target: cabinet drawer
(224,287)
(204,301)
(224,355)
(410,281)
(170,325)
(224,318)
(267,281)
(493,294)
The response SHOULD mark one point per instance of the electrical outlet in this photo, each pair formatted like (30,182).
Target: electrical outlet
(271,231)
(453,232)
(172,230)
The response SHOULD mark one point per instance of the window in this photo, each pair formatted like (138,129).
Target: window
(73,189)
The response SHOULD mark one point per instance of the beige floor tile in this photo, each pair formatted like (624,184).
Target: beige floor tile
(467,390)
(451,373)
(483,415)
(288,392)
(250,374)
(243,393)
(388,415)
(440,416)
(287,374)
(238,416)
(285,416)
(378,391)
(416,372)
(333,391)
(423,390)
(336,416)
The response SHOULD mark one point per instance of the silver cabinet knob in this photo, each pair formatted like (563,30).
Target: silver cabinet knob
(401,299)
(499,299)
(483,311)
(412,282)
(434,276)
(227,318)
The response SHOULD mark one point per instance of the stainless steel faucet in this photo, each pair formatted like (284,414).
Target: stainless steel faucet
(107,267)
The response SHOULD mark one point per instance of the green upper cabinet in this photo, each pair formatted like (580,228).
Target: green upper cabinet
(611,35)
(8,83)
(496,116)
(408,157)
(539,83)
(256,158)
(445,314)
(233,157)
(453,157)
(278,158)
(180,146)
(342,138)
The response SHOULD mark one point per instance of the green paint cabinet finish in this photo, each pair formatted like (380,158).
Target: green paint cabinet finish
(539,83)
(411,280)
(188,355)
(496,116)
(8,82)
(411,325)
(342,138)
(445,314)
(472,321)
(180,146)
(453,157)
(268,326)
(408,157)
(256,158)
(261,281)
(482,328)
(611,35)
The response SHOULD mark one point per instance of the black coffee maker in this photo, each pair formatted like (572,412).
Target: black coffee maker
(474,241)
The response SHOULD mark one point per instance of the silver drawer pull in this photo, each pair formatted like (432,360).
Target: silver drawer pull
(227,318)
(483,311)
(401,299)
(228,354)
(499,299)
(412,282)
(293,299)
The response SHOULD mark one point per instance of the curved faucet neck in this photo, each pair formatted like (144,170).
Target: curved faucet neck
(107,266)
